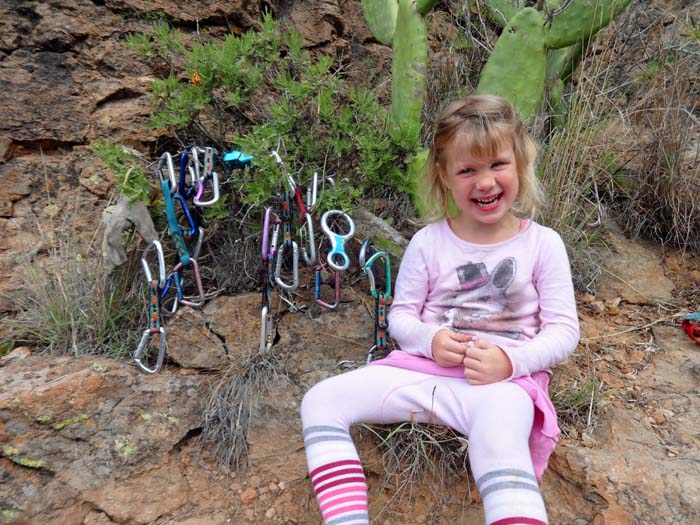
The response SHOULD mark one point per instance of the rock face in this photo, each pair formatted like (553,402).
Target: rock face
(90,432)
(631,273)
(92,440)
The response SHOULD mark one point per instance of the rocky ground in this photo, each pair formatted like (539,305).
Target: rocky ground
(91,440)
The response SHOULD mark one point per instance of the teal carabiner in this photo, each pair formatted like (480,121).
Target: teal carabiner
(367,269)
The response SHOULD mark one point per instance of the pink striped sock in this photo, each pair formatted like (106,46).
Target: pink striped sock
(336,475)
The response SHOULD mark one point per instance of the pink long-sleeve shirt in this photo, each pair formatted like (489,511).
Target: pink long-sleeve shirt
(517,294)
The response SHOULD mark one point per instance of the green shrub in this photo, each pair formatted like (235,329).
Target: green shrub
(130,175)
(301,107)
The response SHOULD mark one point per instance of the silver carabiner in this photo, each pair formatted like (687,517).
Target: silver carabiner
(166,158)
(338,259)
(198,245)
(155,244)
(310,256)
(200,191)
(295,267)
(312,193)
(266,336)
(145,338)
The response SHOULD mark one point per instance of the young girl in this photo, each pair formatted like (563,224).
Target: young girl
(484,307)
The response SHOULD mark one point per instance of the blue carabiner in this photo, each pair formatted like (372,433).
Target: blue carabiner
(338,259)
(193,231)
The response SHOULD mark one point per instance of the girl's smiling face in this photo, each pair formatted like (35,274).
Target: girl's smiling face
(483,187)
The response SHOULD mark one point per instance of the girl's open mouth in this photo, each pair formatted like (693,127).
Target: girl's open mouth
(488,203)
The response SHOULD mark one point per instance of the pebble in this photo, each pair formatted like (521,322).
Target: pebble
(248,495)
(637,356)
(598,307)
(613,303)
(587,298)
(624,368)
(613,310)
(658,418)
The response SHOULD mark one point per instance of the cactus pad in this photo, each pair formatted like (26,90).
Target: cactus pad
(409,67)
(569,22)
(517,67)
(381,18)
(501,11)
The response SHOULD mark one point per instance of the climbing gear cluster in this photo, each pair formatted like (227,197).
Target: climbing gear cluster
(196,187)
(338,229)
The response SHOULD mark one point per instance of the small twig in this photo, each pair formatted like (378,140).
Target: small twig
(631,329)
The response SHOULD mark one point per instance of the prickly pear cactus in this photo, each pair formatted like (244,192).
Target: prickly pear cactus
(402,24)
(408,69)
(517,67)
(380,16)
(570,21)
(501,11)
(562,31)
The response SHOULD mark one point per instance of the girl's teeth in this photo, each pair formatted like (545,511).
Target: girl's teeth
(487,203)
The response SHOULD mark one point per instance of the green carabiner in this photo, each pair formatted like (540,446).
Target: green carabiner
(367,269)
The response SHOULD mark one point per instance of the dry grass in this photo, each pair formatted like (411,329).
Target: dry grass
(413,452)
(660,192)
(68,305)
(233,401)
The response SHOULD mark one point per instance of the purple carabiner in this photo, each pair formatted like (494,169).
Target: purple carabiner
(198,281)
(269,249)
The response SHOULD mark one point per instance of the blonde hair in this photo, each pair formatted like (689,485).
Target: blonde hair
(485,124)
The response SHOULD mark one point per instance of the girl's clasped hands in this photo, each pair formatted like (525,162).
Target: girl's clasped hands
(483,362)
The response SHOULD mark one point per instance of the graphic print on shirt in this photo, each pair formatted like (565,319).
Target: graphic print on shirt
(481,302)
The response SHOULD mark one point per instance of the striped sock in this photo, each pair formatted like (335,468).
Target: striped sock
(336,475)
(511,497)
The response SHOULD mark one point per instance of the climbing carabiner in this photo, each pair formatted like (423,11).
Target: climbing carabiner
(143,344)
(306,233)
(153,328)
(198,283)
(269,247)
(266,330)
(317,287)
(155,245)
(208,173)
(295,267)
(167,159)
(312,193)
(367,268)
